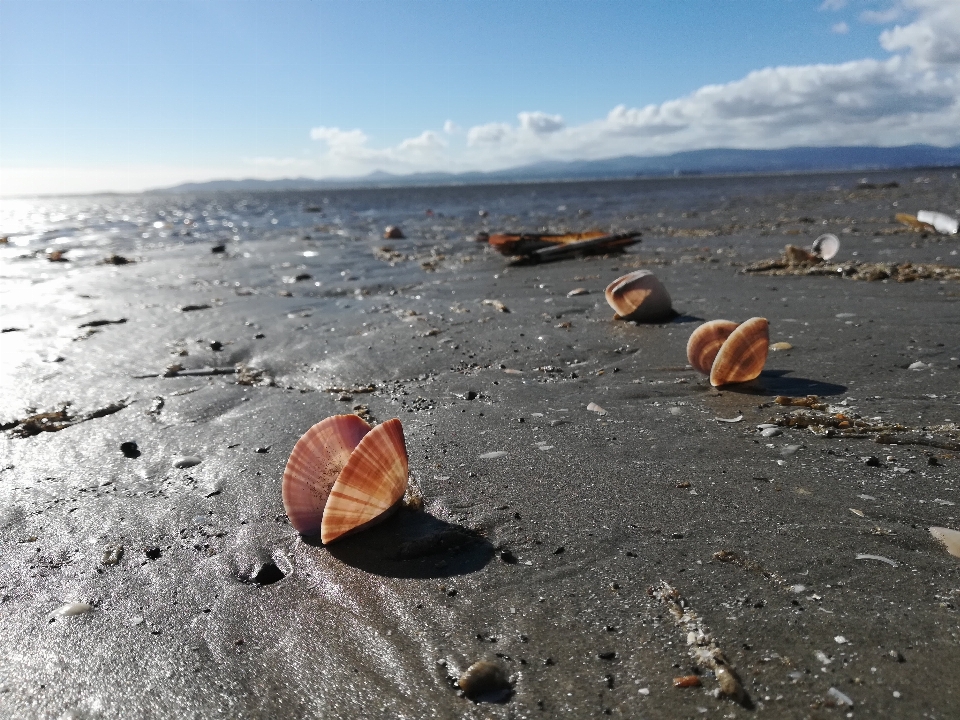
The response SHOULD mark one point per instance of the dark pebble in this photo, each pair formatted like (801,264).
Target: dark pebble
(218,248)
(872,461)
(263,449)
(152,552)
(216,345)
(130,449)
(560,550)
(508,557)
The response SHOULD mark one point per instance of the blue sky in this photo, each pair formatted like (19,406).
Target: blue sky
(129,94)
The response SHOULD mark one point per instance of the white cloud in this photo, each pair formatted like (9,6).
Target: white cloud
(913,96)
(833,4)
(881,17)
(841,28)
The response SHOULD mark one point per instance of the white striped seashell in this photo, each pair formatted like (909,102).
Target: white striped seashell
(826,246)
(314,466)
(370,486)
(705,343)
(639,296)
(743,354)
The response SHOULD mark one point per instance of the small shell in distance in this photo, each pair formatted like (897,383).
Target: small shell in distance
(826,246)
(705,343)
(743,355)
(313,467)
(639,296)
(371,484)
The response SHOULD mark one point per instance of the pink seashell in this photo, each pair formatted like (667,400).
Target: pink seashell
(370,486)
(743,354)
(639,296)
(705,343)
(314,465)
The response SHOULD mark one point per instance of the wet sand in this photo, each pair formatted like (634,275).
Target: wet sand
(541,556)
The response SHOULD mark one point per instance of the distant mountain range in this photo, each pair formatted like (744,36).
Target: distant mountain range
(694,162)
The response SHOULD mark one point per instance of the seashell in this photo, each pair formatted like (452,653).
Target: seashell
(186,461)
(950,538)
(392,232)
(778,346)
(370,486)
(314,466)
(639,296)
(826,246)
(743,354)
(485,681)
(72,608)
(705,343)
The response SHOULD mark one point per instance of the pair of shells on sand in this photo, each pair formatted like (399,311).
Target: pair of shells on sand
(344,476)
(730,352)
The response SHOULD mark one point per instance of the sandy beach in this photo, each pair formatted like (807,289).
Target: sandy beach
(578,549)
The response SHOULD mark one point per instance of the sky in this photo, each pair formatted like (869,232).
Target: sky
(126,95)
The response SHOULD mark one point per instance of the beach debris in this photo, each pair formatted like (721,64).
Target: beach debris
(687,681)
(217,249)
(729,352)
(780,346)
(57,420)
(193,308)
(771,432)
(130,449)
(640,297)
(56,255)
(881,558)
(485,681)
(899,272)
(537,247)
(185,461)
(392,232)
(496,304)
(576,292)
(839,697)
(913,222)
(343,476)
(72,608)
(101,323)
(493,455)
(116,260)
(736,419)
(949,538)
(826,246)
(700,643)
(941,222)
(593,407)
(112,554)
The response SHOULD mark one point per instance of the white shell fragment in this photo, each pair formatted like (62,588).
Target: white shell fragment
(826,246)
(72,608)
(736,419)
(578,291)
(185,461)
(593,407)
(771,432)
(881,558)
(840,697)
(950,539)
(493,455)
(942,223)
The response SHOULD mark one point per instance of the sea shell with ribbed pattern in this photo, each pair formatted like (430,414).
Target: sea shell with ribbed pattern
(639,296)
(342,476)
(728,352)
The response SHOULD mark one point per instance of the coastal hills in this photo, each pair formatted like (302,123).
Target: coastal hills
(720,161)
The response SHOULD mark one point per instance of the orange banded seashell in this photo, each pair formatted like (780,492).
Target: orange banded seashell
(639,296)
(343,476)
(728,352)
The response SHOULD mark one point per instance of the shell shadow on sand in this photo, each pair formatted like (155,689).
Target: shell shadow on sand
(413,544)
(776,382)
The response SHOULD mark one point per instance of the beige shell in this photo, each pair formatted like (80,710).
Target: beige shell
(314,465)
(949,538)
(370,486)
(743,354)
(639,296)
(705,343)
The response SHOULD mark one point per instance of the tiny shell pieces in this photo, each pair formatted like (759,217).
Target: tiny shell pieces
(743,355)
(705,343)
(950,539)
(639,296)
(370,485)
(314,465)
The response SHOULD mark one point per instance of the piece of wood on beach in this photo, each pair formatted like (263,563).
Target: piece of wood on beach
(539,247)
(596,245)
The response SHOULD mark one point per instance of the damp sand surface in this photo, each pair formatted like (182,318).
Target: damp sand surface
(595,557)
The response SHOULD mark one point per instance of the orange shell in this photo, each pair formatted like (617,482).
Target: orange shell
(705,342)
(743,355)
(639,296)
(314,465)
(370,485)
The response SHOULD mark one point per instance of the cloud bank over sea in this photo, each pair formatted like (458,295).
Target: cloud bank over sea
(911,97)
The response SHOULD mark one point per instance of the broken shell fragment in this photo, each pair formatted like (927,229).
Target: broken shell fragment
(705,343)
(639,296)
(343,476)
(485,681)
(743,354)
(826,246)
(950,539)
